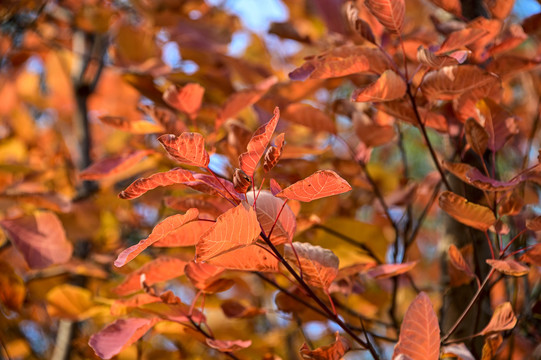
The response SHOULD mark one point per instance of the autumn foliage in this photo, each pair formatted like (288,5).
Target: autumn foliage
(359,181)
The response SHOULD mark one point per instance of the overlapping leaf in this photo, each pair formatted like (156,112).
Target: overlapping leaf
(342,61)
(273,153)
(187,235)
(258,144)
(334,351)
(503,319)
(389,86)
(468,213)
(188,148)
(390,13)
(158,270)
(40,238)
(476,136)
(160,231)
(186,99)
(112,165)
(249,258)
(460,39)
(117,336)
(320,184)
(207,277)
(319,265)
(420,333)
(141,186)
(402,110)
(267,209)
(236,228)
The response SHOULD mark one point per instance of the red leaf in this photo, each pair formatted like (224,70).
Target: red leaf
(158,270)
(389,86)
(420,333)
(480,181)
(187,235)
(267,209)
(258,144)
(186,99)
(112,165)
(210,185)
(132,126)
(390,13)
(160,231)
(320,184)
(389,270)
(188,148)
(309,116)
(275,188)
(509,267)
(117,336)
(470,214)
(319,265)
(334,351)
(228,345)
(40,238)
(141,186)
(236,228)
(503,319)
(249,258)
(342,61)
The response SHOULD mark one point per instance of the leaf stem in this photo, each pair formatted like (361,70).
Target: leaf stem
(233,199)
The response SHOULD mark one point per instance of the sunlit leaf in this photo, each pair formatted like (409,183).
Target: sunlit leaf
(275,188)
(118,335)
(249,258)
(452,6)
(141,186)
(319,265)
(334,351)
(273,153)
(267,209)
(69,302)
(236,228)
(160,269)
(320,184)
(309,116)
(428,58)
(420,333)
(160,231)
(132,126)
(188,148)
(509,267)
(468,213)
(213,206)
(40,238)
(460,39)
(389,86)
(112,165)
(228,345)
(207,277)
(390,13)
(187,99)
(342,61)
(503,319)
(187,235)
(258,144)
(456,351)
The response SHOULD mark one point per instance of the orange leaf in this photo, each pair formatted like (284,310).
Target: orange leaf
(165,117)
(373,135)
(476,136)
(40,238)
(534,224)
(236,228)
(503,319)
(228,345)
(158,270)
(118,335)
(509,267)
(236,310)
(420,333)
(258,144)
(389,86)
(112,165)
(470,214)
(187,235)
(273,153)
(390,13)
(533,255)
(212,206)
(188,148)
(249,258)
(430,59)
(12,289)
(267,208)
(491,346)
(141,186)
(186,99)
(160,231)
(452,6)
(458,261)
(309,116)
(389,270)
(452,81)
(334,351)
(402,110)
(132,126)
(342,61)
(319,265)
(206,277)
(67,301)
(460,39)
(320,184)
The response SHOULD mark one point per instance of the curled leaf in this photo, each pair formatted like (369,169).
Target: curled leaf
(141,186)
(267,208)
(112,165)
(319,265)
(273,153)
(458,261)
(503,319)
(334,351)
(188,148)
